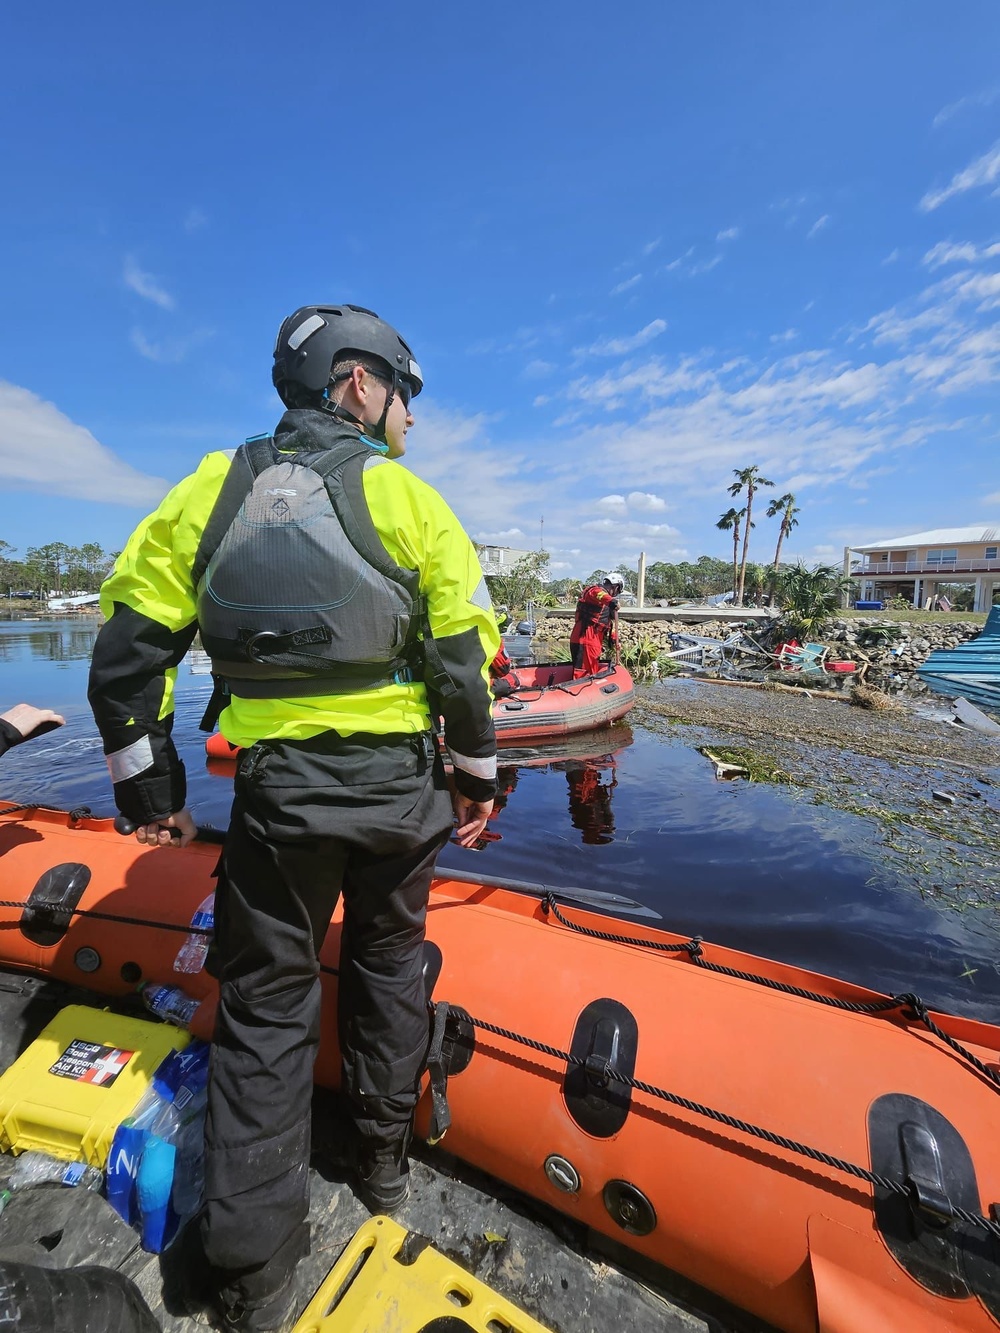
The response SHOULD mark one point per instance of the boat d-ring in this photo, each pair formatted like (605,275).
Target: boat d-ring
(254,647)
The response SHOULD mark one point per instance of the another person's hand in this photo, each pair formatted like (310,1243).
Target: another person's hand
(27,719)
(470,818)
(158,833)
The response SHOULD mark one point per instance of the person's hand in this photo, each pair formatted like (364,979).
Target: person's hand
(470,818)
(27,719)
(158,833)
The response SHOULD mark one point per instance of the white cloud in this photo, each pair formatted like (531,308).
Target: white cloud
(145,284)
(819,225)
(730,234)
(537,370)
(650,246)
(788,336)
(644,502)
(993,499)
(627,285)
(704,265)
(964,252)
(490,486)
(194,220)
(892,257)
(985,170)
(982,99)
(42,450)
(622,346)
(167,351)
(676,263)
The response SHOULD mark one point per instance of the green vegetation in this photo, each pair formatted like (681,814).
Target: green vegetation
(643,658)
(761,767)
(912,616)
(785,506)
(809,597)
(525,582)
(748,479)
(54,568)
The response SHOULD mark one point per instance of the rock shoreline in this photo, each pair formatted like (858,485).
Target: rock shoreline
(892,665)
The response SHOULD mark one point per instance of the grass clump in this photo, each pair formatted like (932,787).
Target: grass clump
(760,767)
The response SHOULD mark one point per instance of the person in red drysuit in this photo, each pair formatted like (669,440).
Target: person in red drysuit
(590,801)
(503,678)
(596,617)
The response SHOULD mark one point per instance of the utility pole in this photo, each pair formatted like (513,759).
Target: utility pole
(641,584)
(541,533)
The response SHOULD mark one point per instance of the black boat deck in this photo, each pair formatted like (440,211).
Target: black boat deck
(566,1278)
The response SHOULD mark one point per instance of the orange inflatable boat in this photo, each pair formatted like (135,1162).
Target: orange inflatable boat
(823,1156)
(546,704)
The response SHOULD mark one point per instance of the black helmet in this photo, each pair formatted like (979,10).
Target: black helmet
(312,339)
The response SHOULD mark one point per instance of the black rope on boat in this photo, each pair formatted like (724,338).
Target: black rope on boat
(912,1005)
(733,1122)
(60,909)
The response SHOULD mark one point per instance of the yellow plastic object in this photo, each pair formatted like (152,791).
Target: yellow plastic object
(69,1091)
(370,1291)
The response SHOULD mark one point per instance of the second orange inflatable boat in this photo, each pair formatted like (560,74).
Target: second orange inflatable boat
(820,1155)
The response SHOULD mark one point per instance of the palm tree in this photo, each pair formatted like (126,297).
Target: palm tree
(784,505)
(747,478)
(756,581)
(730,521)
(810,596)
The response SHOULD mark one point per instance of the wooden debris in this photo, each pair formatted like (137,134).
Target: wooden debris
(724,772)
(867,696)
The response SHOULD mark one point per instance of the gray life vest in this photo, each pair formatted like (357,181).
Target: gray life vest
(297,594)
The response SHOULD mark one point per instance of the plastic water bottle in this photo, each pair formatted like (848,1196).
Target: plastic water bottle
(38,1168)
(169,1002)
(153,1185)
(193,952)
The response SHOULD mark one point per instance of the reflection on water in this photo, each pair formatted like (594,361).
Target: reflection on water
(47,641)
(589,763)
(742,864)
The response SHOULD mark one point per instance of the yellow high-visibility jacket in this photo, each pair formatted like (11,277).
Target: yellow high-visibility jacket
(150,604)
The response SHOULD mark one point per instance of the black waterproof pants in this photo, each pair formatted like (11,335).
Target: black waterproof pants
(364,816)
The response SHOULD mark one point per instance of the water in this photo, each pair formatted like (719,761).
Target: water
(750,866)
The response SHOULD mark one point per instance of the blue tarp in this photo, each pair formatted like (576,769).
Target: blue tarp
(972,670)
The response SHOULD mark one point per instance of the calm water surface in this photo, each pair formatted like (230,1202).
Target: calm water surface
(746,865)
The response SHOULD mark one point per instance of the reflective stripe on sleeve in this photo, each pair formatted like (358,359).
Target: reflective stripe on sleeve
(131,761)
(481,596)
(479,768)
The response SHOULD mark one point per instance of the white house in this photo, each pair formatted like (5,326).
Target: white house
(499,559)
(914,566)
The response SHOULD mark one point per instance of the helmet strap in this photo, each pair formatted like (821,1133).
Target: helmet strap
(378,432)
(335,409)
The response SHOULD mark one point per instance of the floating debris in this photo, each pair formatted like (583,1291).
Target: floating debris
(867,696)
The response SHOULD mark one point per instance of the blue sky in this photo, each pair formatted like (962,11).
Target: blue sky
(633,248)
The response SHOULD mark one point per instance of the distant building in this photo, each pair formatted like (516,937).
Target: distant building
(915,566)
(499,559)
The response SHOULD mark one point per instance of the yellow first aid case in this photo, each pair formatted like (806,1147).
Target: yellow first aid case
(74,1085)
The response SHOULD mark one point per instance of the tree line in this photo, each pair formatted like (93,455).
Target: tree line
(54,568)
(750,480)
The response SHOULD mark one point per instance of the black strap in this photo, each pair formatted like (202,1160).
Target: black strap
(235,489)
(218,700)
(440,1110)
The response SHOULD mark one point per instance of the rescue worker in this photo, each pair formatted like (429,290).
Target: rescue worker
(344,608)
(503,678)
(596,619)
(24,722)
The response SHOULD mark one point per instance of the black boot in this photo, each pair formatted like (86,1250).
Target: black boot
(383,1174)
